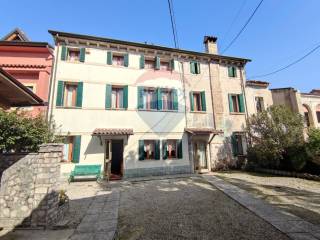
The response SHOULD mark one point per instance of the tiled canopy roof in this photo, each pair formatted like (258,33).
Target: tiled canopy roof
(22,65)
(256,82)
(203,130)
(112,131)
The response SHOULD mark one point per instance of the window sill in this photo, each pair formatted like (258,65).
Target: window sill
(172,159)
(201,112)
(237,113)
(65,107)
(117,109)
(155,110)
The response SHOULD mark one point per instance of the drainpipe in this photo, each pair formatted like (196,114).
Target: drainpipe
(244,92)
(50,84)
(211,88)
(184,92)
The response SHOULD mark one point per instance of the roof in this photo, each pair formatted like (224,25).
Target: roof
(200,131)
(257,83)
(15,94)
(112,131)
(57,34)
(25,44)
(16,33)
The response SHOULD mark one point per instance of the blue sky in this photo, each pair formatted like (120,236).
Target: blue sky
(280,32)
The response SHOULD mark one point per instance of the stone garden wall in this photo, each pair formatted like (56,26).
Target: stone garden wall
(28,190)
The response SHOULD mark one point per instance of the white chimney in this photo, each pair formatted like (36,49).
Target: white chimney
(210,44)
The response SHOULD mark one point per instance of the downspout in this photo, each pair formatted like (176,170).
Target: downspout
(50,84)
(54,84)
(244,92)
(211,88)
(184,93)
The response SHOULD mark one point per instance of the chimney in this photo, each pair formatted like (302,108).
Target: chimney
(210,44)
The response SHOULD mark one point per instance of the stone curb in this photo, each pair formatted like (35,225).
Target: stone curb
(291,225)
(282,173)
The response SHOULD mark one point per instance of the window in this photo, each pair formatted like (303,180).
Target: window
(30,87)
(118,60)
(306,119)
(149,64)
(318,116)
(238,140)
(232,71)
(195,67)
(68,148)
(164,66)
(236,103)
(70,94)
(117,97)
(197,101)
(167,100)
(73,55)
(171,149)
(149,99)
(149,149)
(259,104)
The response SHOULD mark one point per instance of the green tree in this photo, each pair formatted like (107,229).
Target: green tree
(274,134)
(313,145)
(22,133)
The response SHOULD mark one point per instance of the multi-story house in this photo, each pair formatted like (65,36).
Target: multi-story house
(149,109)
(30,63)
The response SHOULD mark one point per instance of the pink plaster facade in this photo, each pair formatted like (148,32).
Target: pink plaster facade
(31,64)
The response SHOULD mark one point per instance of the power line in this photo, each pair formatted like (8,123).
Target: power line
(173,24)
(289,65)
(243,28)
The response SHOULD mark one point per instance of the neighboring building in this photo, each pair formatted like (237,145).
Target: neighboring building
(29,62)
(15,94)
(152,110)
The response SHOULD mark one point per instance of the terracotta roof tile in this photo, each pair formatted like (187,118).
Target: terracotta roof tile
(112,131)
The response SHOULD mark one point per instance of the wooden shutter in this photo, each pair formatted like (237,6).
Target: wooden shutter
(197,65)
(234,145)
(141,61)
(241,103)
(140,97)
(125,97)
(172,64)
(141,150)
(76,149)
(157,149)
(159,99)
(192,67)
(180,150)
(164,149)
(82,54)
(108,96)
(234,71)
(157,63)
(63,53)
(230,103)
(109,58)
(126,60)
(175,99)
(203,101)
(191,101)
(230,72)
(79,94)
(60,94)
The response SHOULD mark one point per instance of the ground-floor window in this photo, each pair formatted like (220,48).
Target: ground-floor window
(149,149)
(238,141)
(71,150)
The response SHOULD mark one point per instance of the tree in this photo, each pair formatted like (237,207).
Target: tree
(313,145)
(22,133)
(274,134)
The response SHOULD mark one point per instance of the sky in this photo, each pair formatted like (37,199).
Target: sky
(280,32)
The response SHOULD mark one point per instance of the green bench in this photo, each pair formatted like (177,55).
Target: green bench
(86,170)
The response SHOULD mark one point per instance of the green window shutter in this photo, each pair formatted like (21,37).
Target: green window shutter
(230,103)
(141,61)
(191,101)
(175,99)
(60,94)
(79,94)
(141,150)
(192,67)
(172,65)
(109,58)
(234,145)
(234,69)
(140,97)
(180,150)
(241,103)
(197,64)
(125,97)
(108,96)
(164,149)
(126,60)
(82,54)
(157,63)
(63,53)
(203,101)
(159,98)
(76,149)
(157,149)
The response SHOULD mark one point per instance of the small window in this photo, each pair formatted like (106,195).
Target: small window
(118,60)
(73,55)
(149,99)
(259,104)
(238,141)
(197,101)
(164,66)
(68,149)
(195,67)
(149,149)
(232,71)
(117,97)
(167,100)
(236,103)
(149,64)
(70,94)
(171,151)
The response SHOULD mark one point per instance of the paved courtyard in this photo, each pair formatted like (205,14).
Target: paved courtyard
(186,208)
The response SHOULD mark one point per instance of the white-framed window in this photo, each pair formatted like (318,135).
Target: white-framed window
(172,149)
(149,149)
(117,97)
(73,54)
(149,98)
(70,94)
(164,66)
(149,64)
(259,104)
(167,99)
(117,60)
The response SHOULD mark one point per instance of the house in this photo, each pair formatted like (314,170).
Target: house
(29,62)
(150,110)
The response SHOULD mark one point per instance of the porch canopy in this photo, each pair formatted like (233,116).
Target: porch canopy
(112,131)
(203,131)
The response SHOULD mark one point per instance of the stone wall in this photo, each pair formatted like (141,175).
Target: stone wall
(28,193)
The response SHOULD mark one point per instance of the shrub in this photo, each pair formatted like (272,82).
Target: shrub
(313,145)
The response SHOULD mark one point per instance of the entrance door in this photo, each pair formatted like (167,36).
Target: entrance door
(200,156)
(116,158)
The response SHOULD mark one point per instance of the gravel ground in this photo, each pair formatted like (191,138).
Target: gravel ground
(300,197)
(188,208)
